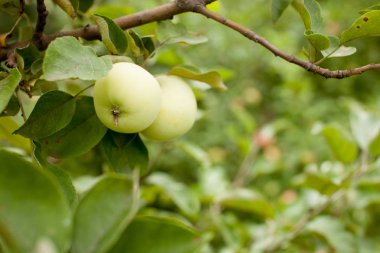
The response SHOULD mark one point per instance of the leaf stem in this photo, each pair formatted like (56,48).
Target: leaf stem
(83,90)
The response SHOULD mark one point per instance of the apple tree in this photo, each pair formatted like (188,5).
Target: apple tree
(189,126)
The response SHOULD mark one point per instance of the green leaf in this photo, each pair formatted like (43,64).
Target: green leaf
(318,41)
(278,7)
(170,33)
(29,54)
(8,86)
(374,146)
(171,235)
(52,112)
(103,214)
(335,50)
(112,35)
(85,5)
(66,58)
(82,133)
(68,6)
(365,26)
(245,200)
(182,196)
(125,152)
(299,6)
(334,233)
(320,183)
(7,126)
(32,206)
(365,126)
(64,180)
(340,143)
(371,8)
(310,12)
(12,107)
(212,78)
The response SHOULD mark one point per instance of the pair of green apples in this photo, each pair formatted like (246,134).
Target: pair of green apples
(131,100)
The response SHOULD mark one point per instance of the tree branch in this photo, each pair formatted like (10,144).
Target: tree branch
(167,11)
(277,52)
(41,22)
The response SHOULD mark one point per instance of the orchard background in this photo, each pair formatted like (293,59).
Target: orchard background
(282,157)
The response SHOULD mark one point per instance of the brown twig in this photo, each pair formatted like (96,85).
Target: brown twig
(277,52)
(41,22)
(167,11)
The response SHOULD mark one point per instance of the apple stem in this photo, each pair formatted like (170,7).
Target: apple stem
(116,113)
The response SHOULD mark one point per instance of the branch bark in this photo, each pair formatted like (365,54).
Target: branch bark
(167,11)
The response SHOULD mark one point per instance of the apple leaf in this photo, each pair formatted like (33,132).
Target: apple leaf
(67,58)
(112,35)
(175,236)
(182,196)
(82,133)
(52,112)
(340,143)
(317,40)
(278,7)
(365,26)
(212,78)
(7,126)
(8,86)
(103,214)
(335,50)
(170,33)
(68,6)
(12,107)
(125,152)
(32,206)
(334,232)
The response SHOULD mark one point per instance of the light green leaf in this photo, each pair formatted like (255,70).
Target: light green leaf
(32,206)
(300,7)
(365,126)
(171,235)
(7,126)
(245,200)
(125,152)
(182,196)
(52,112)
(103,214)
(212,78)
(278,7)
(340,143)
(112,35)
(365,26)
(170,33)
(371,8)
(334,233)
(335,50)
(318,41)
(67,58)
(82,133)
(68,6)
(8,86)
(314,10)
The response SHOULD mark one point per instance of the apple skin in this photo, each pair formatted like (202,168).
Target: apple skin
(128,99)
(178,110)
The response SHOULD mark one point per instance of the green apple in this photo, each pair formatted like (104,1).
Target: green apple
(177,112)
(128,99)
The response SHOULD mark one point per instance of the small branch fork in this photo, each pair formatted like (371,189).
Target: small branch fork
(167,11)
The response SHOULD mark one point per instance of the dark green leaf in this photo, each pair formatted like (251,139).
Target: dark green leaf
(170,236)
(12,107)
(52,112)
(85,5)
(112,35)
(103,214)
(30,54)
(278,7)
(32,206)
(340,143)
(365,26)
(212,78)
(125,152)
(8,86)
(66,58)
(82,133)
(182,196)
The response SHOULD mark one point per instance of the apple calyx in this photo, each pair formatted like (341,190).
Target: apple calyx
(115,114)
